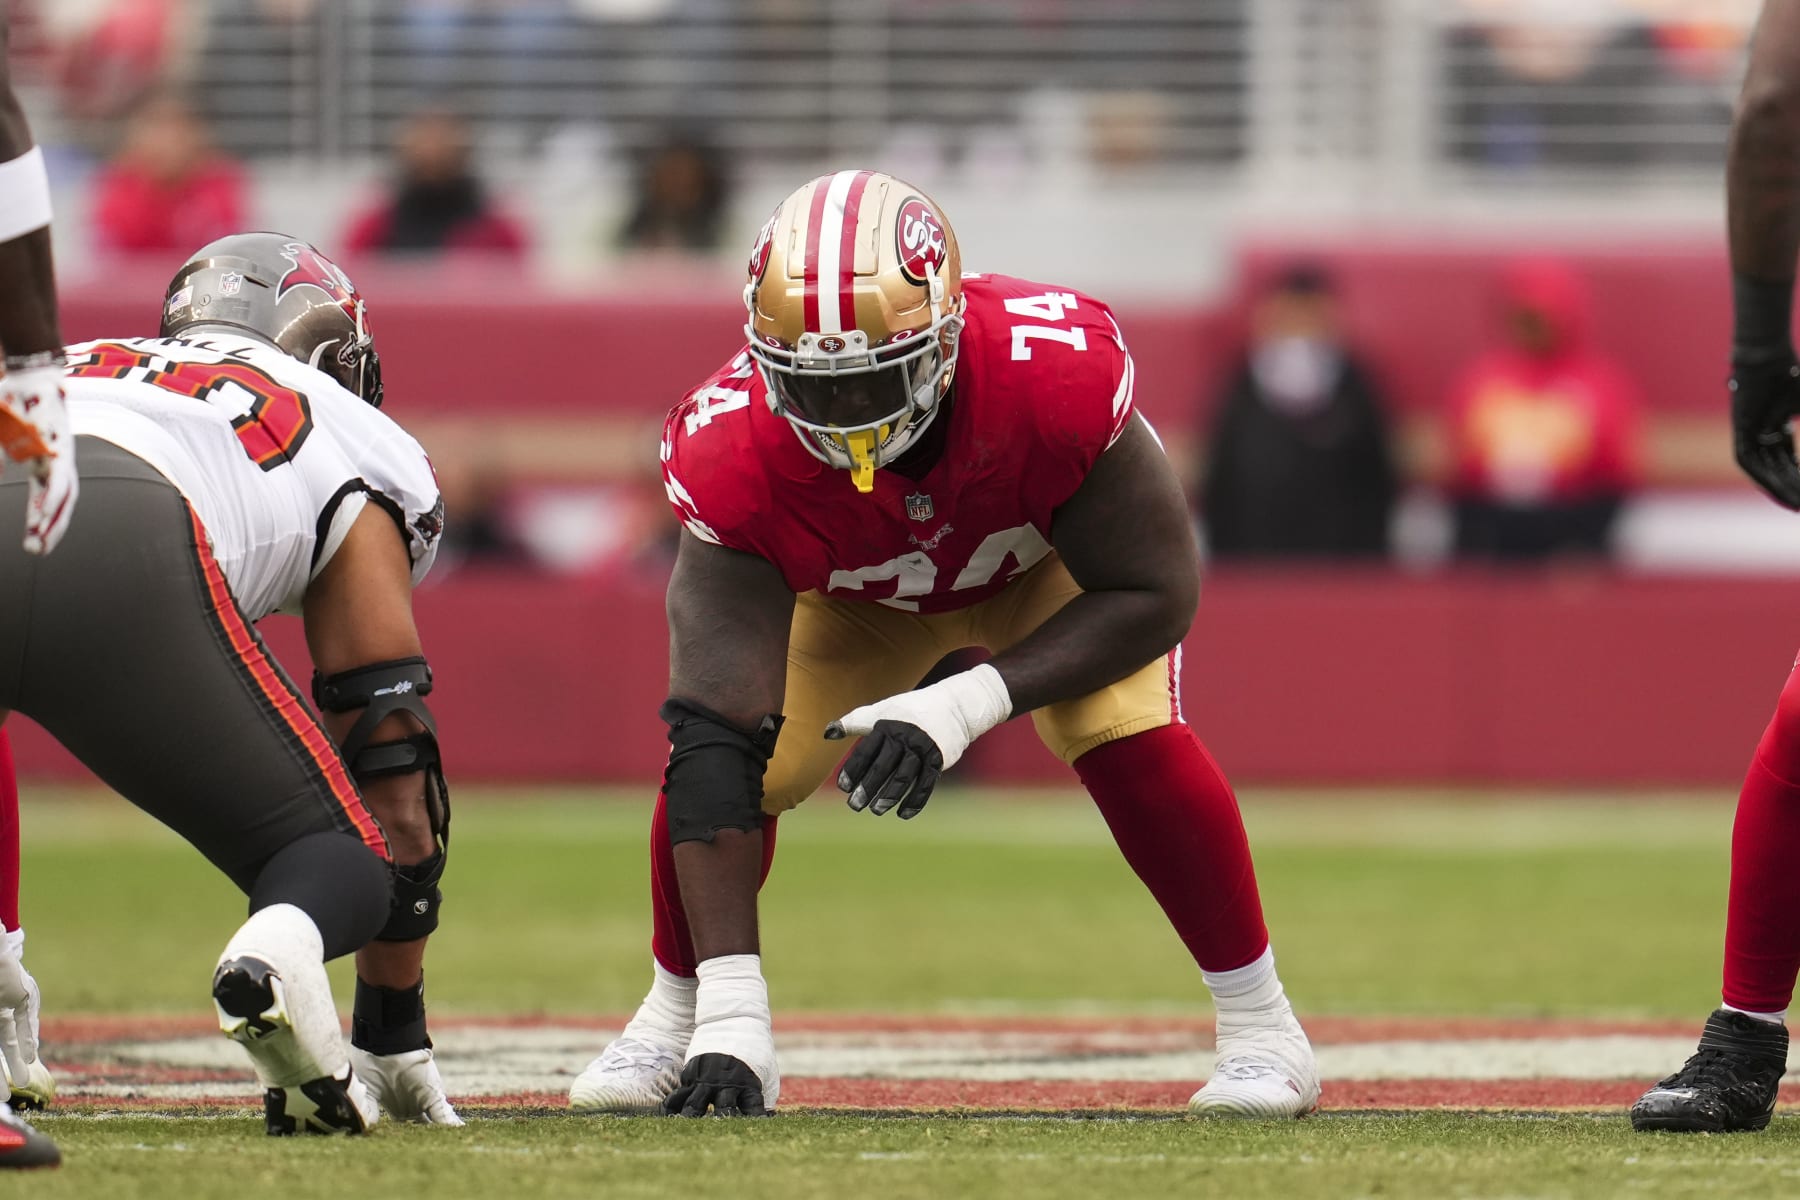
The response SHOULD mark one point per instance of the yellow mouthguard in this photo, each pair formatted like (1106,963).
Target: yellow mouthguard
(862,453)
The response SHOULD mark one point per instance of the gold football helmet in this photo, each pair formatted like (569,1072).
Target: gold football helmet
(855,300)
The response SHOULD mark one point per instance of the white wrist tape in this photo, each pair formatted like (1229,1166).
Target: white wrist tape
(731,986)
(24,195)
(979,699)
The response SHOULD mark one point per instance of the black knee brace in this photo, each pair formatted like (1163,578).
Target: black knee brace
(714,779)
(417,899)
(380,690)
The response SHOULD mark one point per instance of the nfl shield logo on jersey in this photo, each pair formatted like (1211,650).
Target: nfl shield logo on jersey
(918,507)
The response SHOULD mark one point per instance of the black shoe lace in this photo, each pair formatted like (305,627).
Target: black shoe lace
(1717,1070)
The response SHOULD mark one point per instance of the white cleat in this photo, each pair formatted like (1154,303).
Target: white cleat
(639,1068)
(1266,1069)
(634,1074)
(273,998)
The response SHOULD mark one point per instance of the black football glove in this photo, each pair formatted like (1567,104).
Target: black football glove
(1765,396)
(720,1083)
(895,763)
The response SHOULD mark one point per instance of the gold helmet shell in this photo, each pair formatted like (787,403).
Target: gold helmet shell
(855,306)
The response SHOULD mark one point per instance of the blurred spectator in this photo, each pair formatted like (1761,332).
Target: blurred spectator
(448,41)
(1531,82)
(115,53)
(169,188)
(437,204)
(478,527)
(1300,464)
(1543,427)
(681,195)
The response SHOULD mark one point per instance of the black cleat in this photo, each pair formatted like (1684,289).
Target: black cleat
(1728,1086)
(21,1146)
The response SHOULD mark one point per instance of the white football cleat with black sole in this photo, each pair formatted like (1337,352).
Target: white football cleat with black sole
(1266,1069)
(273,998)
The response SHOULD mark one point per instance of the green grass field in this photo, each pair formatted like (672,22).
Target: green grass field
(1380,903)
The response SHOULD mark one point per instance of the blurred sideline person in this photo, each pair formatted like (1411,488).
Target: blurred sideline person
(1298,463)
(241,459)
(1732,1080)
(902,462)
(169,188)
(34,429)
(681,196)
(437,205)
(1543,427)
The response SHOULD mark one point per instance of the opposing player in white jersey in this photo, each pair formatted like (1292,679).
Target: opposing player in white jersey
(236,466)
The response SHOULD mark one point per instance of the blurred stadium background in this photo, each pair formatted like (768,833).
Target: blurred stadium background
(1429,303)
(549,202)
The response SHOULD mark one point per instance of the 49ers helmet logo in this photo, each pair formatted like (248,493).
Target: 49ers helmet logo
(920,239)
(311,267)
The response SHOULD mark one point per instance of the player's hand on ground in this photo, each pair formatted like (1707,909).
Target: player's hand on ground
(407,1086)
(1765,397)
(907,740)
(34,430)
(19,1002)
(717,1083)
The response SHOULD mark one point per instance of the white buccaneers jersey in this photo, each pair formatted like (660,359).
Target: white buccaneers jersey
(276,457)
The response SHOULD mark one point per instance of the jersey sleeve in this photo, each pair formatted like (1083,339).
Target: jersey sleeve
(401,480)
(710,468)
(1079,384)
(384,466)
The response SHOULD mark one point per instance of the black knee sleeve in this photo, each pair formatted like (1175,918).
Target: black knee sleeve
(416,901)
(334,879)
(714,779)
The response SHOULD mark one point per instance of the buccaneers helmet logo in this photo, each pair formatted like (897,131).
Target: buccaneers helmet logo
(314,269)
(920,238)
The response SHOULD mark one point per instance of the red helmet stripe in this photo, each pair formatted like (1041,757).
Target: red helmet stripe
(846,286)
(830,263)
(815,223)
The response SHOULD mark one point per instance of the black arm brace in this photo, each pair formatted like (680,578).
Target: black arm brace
(714,779)
(380,690)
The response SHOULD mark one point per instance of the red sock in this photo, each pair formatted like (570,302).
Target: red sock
(1176,820)
(1762,924)
(669,940)
(9,835)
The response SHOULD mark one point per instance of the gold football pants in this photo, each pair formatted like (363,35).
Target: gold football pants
(844,653)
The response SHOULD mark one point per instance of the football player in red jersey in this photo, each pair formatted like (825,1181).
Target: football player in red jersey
(34,428)
(906,461)
(1732,1079)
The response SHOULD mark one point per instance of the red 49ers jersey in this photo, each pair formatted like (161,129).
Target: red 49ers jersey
(1043,386)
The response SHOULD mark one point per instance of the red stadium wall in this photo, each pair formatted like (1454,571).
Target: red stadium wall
(1329,677)
(1579,678)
